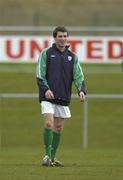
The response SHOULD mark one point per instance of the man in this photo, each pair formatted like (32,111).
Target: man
(57,68)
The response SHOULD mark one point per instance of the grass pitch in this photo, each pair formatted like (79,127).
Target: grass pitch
(21,125)
(24,163)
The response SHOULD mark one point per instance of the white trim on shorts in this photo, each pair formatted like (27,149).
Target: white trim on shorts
(55,109)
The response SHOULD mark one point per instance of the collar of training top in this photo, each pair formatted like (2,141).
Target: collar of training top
(66,47)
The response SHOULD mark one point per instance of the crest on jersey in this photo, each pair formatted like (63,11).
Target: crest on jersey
(69,58)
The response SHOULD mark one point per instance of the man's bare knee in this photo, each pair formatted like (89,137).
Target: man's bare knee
(58,128)
(48,124)
(48,121)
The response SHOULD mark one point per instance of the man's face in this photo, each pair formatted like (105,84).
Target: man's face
(61,39)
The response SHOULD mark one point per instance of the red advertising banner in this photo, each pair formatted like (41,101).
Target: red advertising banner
(90,49)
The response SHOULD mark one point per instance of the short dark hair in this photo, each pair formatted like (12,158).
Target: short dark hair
(61,29)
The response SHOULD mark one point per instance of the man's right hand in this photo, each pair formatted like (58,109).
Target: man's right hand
(49,94)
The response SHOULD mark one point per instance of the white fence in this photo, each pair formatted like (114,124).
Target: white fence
(71,28)
(92,44)
(85,114)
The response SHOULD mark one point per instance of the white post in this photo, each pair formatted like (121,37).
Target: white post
(85,125)
(0,142)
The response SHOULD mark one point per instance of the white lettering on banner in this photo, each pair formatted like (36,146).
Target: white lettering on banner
(89,49)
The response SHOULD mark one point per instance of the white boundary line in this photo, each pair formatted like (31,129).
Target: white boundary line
(35,95)
(88,70)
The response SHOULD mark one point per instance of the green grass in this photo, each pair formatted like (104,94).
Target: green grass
(24,163)
(21,126)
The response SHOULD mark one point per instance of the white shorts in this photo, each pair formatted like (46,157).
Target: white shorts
(57,110)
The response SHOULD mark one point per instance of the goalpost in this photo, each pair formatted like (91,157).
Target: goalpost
(85,115)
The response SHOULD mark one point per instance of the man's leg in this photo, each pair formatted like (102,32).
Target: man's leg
(48,133)
(57,129)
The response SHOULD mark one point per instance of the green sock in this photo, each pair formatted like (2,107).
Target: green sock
(55,143)
(48,137)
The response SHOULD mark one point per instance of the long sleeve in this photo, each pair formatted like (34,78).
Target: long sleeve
(78,76)
(41,71)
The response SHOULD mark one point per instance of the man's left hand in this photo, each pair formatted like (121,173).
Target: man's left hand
(82,96)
